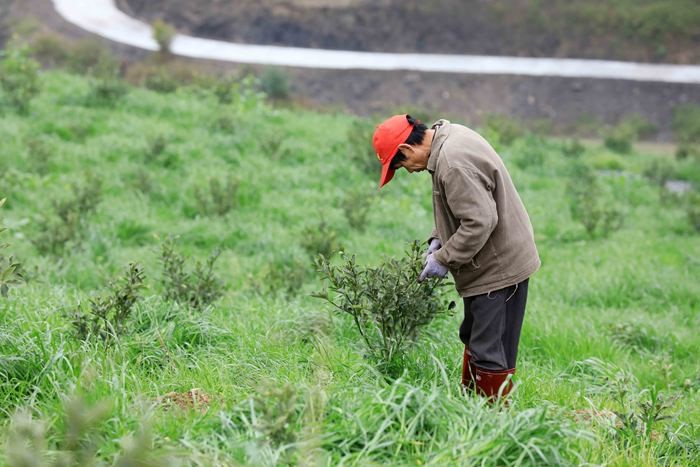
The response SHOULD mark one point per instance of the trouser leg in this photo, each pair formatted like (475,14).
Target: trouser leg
(491,334)
(492,324)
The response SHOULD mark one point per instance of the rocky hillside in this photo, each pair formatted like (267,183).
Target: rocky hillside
(645,30)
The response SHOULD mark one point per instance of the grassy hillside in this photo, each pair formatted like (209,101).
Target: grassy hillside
(608,370)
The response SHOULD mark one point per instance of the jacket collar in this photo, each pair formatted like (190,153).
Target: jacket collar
(442,131)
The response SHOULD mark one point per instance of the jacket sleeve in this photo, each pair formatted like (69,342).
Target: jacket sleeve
(470,201)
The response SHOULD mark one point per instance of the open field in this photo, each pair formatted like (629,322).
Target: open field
(265,374)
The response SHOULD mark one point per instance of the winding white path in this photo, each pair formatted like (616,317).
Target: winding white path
(103,18)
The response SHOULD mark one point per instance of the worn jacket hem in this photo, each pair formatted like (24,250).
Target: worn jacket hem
(471,291)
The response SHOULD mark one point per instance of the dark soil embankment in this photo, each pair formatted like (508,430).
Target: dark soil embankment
(649,30)
(553,28)
(583,106)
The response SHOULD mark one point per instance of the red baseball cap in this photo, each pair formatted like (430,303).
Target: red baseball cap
(386,140)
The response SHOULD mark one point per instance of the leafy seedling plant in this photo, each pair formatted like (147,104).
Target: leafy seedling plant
(70,223)
(356,206)
(218,199)
(10,269)
(591,205)
(19,77)
(387,303)
(109,314)
(197,288)
(320,240)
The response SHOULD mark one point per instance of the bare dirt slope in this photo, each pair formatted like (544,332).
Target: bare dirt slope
(552,28)
(515,27)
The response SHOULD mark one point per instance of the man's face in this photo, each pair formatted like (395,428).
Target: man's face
(416,157)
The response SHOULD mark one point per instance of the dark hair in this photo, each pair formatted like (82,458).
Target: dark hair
(416,137)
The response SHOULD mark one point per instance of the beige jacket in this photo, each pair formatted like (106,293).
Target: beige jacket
(486,235)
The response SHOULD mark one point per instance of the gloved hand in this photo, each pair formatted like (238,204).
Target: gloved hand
(433,246)
(432,268)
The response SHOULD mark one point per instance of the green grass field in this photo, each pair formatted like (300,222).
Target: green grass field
(608,367)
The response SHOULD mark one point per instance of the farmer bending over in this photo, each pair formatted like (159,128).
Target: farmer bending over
(482,236)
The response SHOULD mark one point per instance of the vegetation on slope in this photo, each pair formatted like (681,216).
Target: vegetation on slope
(260,372)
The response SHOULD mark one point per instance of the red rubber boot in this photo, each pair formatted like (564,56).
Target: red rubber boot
(490,382)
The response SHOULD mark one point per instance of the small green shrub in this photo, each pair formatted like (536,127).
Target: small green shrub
(607,161)
(691,204)
(161,82)
(69,221)
(591,204)
(502,130)
(233,90)
(359,147)
(639,412)
(686,126)
(306,328)
(51,50)
(655,21)
(197,288)
(142,180)
(157,152)
(659,171)
(107,91)
(247,95)
(225,89)
(320,239)
(10,269)
(109,314)
(88,55)
(171,75)
(157,146)
(275,83)
(277,410)
(356,206)
(621,137)
(163,77)
(217,199)
(272,145)
(107,87)
(531,155)
(163,33)
(387,304)
(19,77)
(282,421)
(284,275)
(573,149)
(224,123)
(688,150)
(40,153)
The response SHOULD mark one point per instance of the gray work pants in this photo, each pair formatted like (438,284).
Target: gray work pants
(491,326)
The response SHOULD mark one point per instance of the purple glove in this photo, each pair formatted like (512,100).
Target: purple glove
(433,246)
(432,268)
